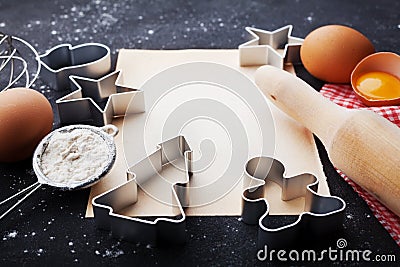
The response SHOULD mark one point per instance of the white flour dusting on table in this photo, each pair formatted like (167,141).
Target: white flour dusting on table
(74,156)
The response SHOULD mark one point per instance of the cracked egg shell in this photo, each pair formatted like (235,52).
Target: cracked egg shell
(388,92)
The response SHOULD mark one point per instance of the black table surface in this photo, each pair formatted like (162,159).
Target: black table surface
(50,227)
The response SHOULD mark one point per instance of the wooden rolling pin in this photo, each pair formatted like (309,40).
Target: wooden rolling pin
(362,144)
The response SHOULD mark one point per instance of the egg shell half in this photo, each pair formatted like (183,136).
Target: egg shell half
(387,62)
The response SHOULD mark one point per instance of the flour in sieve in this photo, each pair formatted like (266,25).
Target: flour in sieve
(74,156)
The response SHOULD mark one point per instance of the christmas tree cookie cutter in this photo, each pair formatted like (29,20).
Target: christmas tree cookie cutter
(106,206)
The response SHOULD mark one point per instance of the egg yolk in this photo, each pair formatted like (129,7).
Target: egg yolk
(379,85)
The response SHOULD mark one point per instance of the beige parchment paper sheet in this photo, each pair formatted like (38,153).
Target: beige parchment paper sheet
(295,146)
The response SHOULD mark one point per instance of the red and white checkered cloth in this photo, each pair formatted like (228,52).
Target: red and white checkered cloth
(343,95)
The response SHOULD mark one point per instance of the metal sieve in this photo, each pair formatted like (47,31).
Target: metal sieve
(106,133)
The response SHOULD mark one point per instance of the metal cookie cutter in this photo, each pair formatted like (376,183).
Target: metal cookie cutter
(106,133)
(97,97)
(162,229)
(98,101)
(90,60)
(10,55)
(322,214)
(270,48)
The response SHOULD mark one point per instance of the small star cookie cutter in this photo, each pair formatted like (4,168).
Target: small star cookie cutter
(270,48)
(322,214)
(107,205)
(97,97)
(85,105)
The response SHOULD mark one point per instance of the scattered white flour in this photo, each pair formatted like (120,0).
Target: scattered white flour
(12,234)
(74,156)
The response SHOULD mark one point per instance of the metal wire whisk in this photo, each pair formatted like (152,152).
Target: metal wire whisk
(9,55)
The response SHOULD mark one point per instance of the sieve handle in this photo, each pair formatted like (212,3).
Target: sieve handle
(28,191)
(110,129)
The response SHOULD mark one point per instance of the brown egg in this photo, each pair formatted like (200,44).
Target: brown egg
(330,53)
(25,118)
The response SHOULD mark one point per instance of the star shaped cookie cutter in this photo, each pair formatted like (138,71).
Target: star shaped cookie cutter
(322,214)
(97,97)
(84,105)
(107,205)
(270,48)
